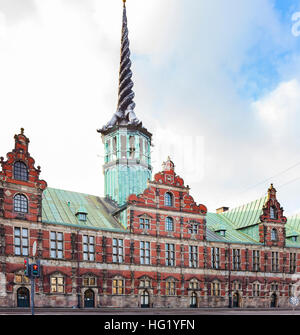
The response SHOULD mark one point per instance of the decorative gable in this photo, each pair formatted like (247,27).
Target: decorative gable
(272,226)
(21,188)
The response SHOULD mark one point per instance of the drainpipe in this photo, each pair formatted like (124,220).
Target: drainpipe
(229,278)
(77,271)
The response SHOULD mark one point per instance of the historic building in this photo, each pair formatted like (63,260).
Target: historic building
(144,243)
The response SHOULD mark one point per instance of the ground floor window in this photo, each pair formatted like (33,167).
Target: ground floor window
(57,284)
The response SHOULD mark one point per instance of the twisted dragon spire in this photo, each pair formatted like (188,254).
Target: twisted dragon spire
(126,94)
(124,114)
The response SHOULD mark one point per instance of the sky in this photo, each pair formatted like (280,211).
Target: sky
(216,82)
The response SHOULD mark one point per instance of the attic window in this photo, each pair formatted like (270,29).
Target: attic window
(20,171)
(81,216)
(222,232)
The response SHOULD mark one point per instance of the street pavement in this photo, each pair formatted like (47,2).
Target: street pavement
(149,311)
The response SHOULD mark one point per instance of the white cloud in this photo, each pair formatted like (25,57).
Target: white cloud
(279,108)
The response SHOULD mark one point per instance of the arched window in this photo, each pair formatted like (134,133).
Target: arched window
(273,234)
(20,203)
(20,171)
(168,199)
(169,224)
(273,213)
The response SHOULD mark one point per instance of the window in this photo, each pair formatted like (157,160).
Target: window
(274,287)
(123,146)
(255,259)
(194,285)
(88,248)
(236,285)
(56,244)
(170,254)
(294,238)
(275,262)
(274,235)
(145,282)
(193,228)
(168,199)
(255,289)
(57,284)
(293,258)
(215,258)
(169,224)
(144,223)
(21,279)
(118,286)
(193,256)
(131,146)
(170,287)
(114,147)
(82,216)
(20,171)
(273,213)
(215,288)
(21,241)
(20,203)
(236,259)
(89,281)
(144,252)
(141,149)
(118,255)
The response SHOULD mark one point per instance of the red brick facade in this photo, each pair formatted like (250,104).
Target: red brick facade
(162,259)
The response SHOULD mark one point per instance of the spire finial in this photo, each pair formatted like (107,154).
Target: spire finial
(125,108)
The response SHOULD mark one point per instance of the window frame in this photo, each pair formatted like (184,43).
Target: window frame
(20,202)
(169,223)
(20,171)
(55,250)
(145,253)
(56,278)
(168,199)
(117,250)
(89,254)
(170,254)
(23,241)
(118,286)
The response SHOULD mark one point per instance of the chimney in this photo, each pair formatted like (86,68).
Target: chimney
(222,210)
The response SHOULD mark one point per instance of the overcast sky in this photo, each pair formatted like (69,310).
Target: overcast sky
(216,82)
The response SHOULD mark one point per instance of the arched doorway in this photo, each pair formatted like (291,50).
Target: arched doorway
(273,300)
(236,300)
(23,297)
(145,301)
(89,299)
(193,300)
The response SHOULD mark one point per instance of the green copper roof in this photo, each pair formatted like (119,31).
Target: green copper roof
(245,215)
(60,207)
(214,221)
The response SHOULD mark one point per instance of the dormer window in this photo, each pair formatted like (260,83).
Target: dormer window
(20,171)
(294,238)
(81,214)
(222,232)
